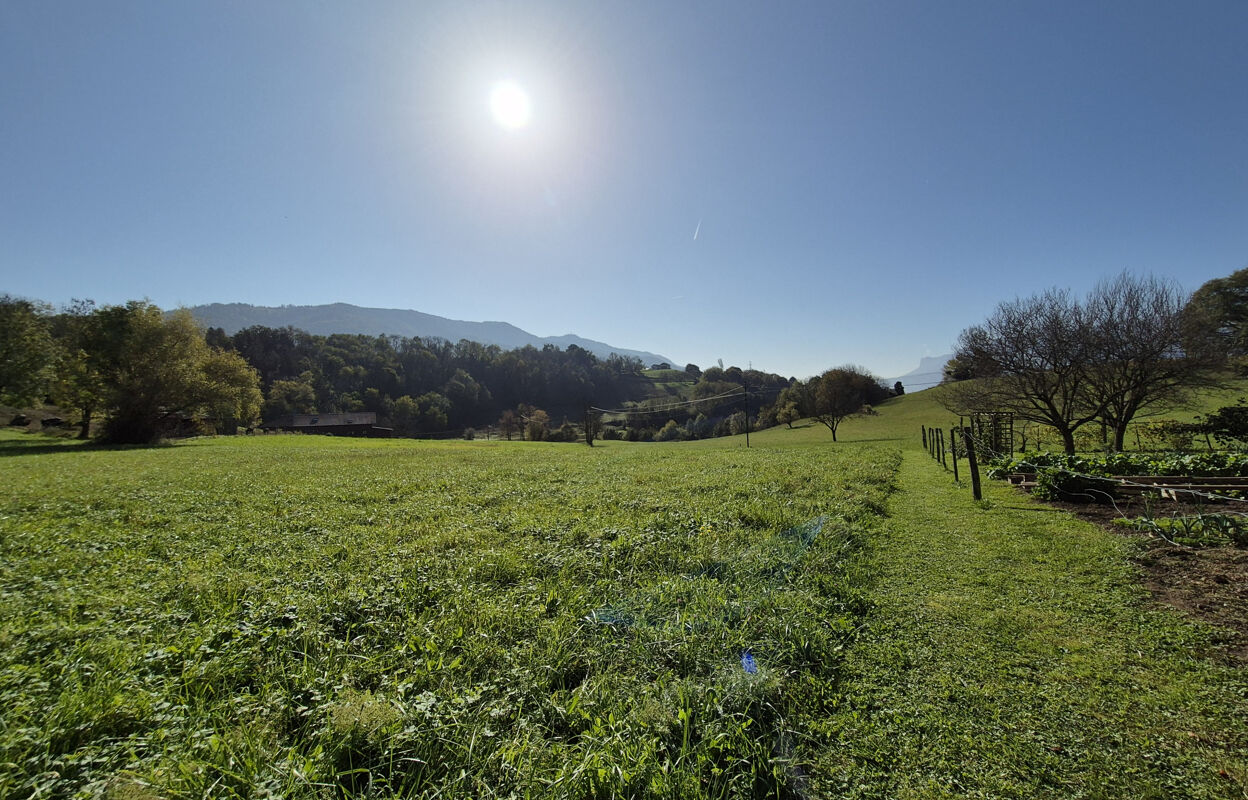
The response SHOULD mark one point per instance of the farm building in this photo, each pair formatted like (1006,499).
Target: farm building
(359,423)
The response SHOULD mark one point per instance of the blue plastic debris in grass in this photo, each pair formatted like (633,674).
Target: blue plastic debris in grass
(806,532)
(611,616)
(747,662)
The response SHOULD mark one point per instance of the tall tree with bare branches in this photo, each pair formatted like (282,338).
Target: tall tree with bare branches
(1137,329)
(1052,359)
(1030,357)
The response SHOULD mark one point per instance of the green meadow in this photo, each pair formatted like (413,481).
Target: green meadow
(294,616)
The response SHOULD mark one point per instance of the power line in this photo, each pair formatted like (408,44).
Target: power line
(650,409)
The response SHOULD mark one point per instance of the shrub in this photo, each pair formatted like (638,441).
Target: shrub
(1057,484)
(671,432)
(1229,425)
(1169,434)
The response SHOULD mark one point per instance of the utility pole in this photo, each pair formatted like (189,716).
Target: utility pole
(747,413)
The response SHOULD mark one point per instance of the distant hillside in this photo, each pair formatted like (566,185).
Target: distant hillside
(346,318)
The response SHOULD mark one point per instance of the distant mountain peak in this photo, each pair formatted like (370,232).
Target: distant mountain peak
(927,374)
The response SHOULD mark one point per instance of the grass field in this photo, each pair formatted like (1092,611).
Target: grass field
(310,617)
(305,616)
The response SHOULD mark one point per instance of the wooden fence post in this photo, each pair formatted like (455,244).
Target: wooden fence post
(976,490)
(953,451)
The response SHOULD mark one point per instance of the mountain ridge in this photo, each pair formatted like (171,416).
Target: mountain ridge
(927,374)
(330,318)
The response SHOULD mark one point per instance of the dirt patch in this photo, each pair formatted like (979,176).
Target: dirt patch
(1206,583)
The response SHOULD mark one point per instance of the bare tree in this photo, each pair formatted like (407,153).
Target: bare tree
(593,425)
(1031,358)
(1053,360)
(1137,327)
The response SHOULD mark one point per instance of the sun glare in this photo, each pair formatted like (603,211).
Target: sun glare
(509,104)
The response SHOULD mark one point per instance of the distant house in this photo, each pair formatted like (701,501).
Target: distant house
(358,423)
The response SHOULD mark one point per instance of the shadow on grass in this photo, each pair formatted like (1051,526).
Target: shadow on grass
(1033,508)
(37,445)
(877,439)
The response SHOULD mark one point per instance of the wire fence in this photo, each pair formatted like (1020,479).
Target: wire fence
(948,446)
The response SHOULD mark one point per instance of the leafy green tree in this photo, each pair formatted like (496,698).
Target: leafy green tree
(788,414)
(670,432)
(406,416)
(78,382)
(700,427)
(27,351)
(230,393)
(424,414)
(155,366)
(466,395)
(1215,319)
(536,425)
(592,425)
(844,392)
(801,396)
(712,374)
(289,397)
(508,424)
(566,432)
(956,370)
(435,411)
(1229,424)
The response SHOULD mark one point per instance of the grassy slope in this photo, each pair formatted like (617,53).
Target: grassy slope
(1012,653)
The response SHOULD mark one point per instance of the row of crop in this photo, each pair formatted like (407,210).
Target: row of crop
(1210,464)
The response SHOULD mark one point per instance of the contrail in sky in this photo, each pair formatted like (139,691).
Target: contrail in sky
(695,230)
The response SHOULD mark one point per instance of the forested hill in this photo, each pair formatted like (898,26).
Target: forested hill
(325,320)
(431,386)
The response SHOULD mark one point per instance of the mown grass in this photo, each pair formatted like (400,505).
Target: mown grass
(1013,653)
(299,616)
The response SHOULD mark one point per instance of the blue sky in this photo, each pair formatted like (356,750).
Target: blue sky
(864,179)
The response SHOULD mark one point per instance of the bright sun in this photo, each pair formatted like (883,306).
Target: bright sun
(509,103)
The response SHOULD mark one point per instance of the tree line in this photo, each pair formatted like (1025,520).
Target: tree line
(426,385)
(1130,348)
(146,374)
(143,374)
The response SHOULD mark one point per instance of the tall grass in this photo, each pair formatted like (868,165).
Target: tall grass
(299,616)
